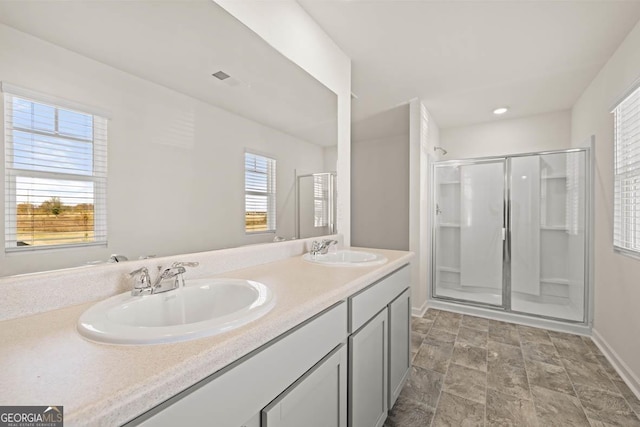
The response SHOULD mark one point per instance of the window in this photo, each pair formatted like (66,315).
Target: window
(626,235)
(321,200)
(260,193)
(55,173)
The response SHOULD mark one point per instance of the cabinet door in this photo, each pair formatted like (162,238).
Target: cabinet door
(317,399)
(368,370)
(399,344)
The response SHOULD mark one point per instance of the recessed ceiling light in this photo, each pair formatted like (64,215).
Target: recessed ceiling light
(500,110)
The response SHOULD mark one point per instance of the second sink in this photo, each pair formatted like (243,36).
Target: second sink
(346,258)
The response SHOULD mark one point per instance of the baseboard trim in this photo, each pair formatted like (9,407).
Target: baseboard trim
(618,364)
(419,311)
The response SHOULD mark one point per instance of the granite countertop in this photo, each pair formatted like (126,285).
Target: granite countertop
(45,361)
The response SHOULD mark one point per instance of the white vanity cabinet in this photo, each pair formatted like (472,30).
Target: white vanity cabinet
(379,322)
(399,344)
(343,367)
(368,368)
(233,396)
(318,399)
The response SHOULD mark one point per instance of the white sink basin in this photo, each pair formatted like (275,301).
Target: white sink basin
(202,308)
(346,258)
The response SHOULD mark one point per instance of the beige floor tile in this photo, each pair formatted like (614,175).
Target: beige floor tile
(504,354)
(574,349)
(431,314)
(558,409)
(416,341)
(508,379)
(505,333)
(454,411)
(450,315)
(591,345)
(549,376)
(409,413)
(475,322)
(506,410)
(434,356)
(424,386)
(470,356)
(466,382)
(629,396)
(606,407)
(608,368)
(537,335)
(474,337)
(541,353)
(589,374)
(447,323)
(421,325)
(436,336)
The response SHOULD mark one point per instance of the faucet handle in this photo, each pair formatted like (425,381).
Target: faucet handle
(142,280)
(185,264)
(142,271)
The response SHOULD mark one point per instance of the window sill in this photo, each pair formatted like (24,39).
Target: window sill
(626,252)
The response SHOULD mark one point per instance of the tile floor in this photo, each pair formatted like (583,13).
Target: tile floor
(469,371)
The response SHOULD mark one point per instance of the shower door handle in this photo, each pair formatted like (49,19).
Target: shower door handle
(504,234)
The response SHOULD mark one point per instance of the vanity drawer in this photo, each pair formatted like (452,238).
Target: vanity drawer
(369,301)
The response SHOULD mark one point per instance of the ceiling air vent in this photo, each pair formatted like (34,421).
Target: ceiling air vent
(221,75)
(226,79)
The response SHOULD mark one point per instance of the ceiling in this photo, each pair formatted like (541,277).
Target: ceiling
(465,58)
(179,44)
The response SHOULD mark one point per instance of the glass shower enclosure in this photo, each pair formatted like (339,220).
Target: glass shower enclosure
(510,233)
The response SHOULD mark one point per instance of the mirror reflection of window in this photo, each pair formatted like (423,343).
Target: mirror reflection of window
(321,200)
(55,170)
(260,193)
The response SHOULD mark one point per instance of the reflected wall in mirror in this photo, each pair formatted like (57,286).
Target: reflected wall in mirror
(177,135)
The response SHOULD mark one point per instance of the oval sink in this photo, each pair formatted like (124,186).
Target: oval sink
(346,258)
(203,308)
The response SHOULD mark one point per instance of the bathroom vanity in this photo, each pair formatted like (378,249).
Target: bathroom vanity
(333,351)
(301,377)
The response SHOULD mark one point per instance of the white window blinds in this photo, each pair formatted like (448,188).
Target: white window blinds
(260,193)
(55,175)
(626,235)
(321,200)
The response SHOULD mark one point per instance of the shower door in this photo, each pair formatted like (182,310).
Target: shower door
(547,206)
(469,231)
(512,233)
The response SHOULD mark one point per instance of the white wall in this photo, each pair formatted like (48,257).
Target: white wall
(380,180)
(176,165)
(550,131)
(289,29)
(617,277)
(424,134)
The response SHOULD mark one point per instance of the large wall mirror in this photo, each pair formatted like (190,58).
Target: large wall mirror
(194,101)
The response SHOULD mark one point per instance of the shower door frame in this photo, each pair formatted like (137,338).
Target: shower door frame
(506,243)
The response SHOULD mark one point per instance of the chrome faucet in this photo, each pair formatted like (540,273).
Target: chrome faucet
(168,279)
(321,247)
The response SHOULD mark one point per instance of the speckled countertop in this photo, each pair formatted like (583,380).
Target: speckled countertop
(46,362)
